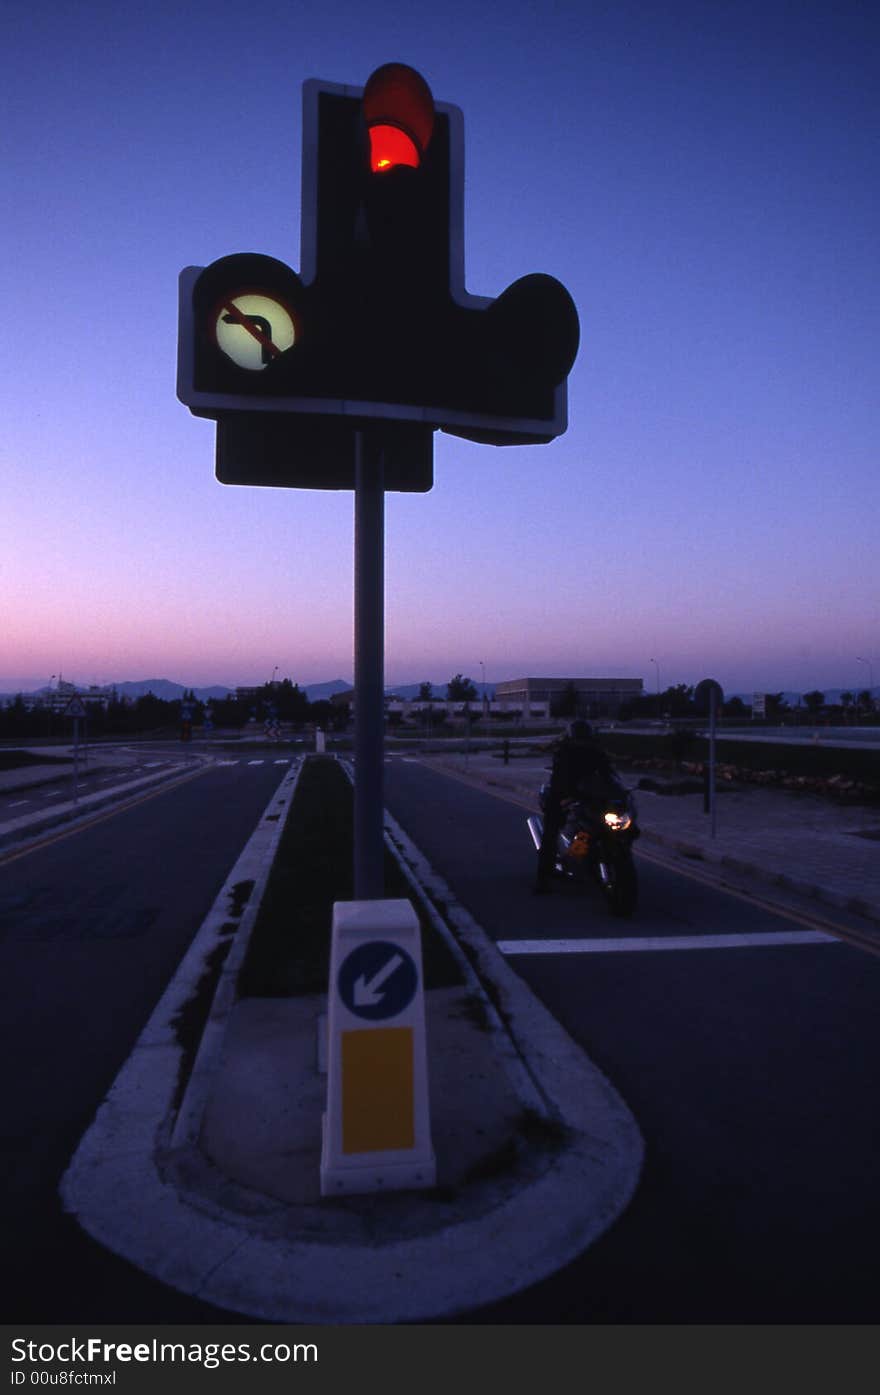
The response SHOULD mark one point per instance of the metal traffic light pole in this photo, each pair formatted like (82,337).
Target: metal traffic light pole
(369,629)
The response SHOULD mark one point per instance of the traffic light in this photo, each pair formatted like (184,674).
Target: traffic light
(378,327)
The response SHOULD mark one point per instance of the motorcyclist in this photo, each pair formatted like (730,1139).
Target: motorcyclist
(576,764)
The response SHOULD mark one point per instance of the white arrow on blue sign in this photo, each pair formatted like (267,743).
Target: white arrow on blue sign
(377,980)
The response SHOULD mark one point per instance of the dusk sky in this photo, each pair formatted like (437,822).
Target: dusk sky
(702,176)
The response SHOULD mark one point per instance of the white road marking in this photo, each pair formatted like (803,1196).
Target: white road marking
(49,793)
(286,761)
(256,762)
(649,943)
(151,764)
(19,802)
(227,762)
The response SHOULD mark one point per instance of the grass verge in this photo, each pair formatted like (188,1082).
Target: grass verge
(289,950)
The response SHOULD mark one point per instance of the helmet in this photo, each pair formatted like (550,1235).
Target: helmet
(580,730)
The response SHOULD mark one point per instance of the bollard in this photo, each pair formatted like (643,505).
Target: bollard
(376,1129)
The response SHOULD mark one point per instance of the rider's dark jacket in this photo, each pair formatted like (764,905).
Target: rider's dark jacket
(575,766)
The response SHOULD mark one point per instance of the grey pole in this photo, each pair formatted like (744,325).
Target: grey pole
(369,624)
(713,700)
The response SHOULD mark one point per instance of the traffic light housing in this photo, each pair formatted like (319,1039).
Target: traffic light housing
(378,329)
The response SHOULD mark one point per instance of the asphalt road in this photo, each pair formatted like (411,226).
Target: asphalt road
(752,1072)
(92,927)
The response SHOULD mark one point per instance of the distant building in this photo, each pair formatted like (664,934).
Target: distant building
(596,697)
(56,699)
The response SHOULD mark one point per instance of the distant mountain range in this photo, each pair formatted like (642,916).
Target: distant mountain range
(169,691)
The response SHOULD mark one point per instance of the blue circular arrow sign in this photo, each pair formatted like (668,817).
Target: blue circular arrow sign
(377,980)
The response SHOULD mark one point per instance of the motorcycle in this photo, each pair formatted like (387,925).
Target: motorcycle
(595,841)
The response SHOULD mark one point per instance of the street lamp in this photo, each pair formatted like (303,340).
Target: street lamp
(485,704)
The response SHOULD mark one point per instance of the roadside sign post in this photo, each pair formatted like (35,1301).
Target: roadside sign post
(75,709)
(376,1129)
(708,696)
(713,701)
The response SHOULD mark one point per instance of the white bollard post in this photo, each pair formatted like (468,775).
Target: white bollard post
(377,1128)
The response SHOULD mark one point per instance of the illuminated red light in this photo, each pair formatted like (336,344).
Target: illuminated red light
(389,146)
(399,115)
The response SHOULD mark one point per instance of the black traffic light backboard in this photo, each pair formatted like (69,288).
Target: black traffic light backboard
(378,328)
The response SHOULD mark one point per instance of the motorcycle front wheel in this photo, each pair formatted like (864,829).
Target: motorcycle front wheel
(620,884)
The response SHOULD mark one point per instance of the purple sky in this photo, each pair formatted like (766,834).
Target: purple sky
(702,176)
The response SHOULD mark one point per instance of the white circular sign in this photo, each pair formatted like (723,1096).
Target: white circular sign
(254,329)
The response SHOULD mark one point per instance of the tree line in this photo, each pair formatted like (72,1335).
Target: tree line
(113,715)
(679,702)
(117,716)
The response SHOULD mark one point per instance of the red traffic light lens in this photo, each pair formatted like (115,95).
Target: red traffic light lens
(389,147)
(399,113)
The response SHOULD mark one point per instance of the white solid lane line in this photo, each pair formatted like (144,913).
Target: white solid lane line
(650,943)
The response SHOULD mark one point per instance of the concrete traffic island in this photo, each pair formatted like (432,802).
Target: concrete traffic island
(206,1174)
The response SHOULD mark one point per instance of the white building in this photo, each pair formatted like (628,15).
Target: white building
(596,697)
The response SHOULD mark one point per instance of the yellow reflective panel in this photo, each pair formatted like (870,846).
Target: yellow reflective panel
(254,329)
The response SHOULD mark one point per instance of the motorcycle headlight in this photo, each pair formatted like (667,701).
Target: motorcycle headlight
(616,821)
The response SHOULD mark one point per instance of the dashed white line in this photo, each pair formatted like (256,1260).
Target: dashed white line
(256,762)
(18,803)
(651,943)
